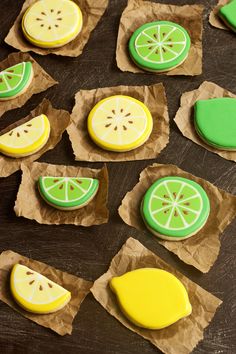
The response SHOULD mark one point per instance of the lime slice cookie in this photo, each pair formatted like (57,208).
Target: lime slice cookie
(175,208)
(52,23)
(67,193)
(227,14)
(27,138)
(215,122)
(159,46)
(120,123)
(151,298)
(15,80)
(36,293)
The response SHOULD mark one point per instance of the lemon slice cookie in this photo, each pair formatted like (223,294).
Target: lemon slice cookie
(26,139)
(52,23)
(151,298)
(36,293)
(120,123)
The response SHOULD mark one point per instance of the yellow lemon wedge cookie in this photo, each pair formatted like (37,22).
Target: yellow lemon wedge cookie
(36,293)
(52,23)
(27,138)
(151,298)
(119,123)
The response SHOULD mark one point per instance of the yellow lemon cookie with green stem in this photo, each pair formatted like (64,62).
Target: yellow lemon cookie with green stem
(120,123)
(151,298)
(52,23)
(27,138)
(36,293)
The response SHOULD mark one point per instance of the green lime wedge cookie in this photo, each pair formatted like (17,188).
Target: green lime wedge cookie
(67,193)
(227,14)
(159,46)
(15,80)
(175,208)
(215,122)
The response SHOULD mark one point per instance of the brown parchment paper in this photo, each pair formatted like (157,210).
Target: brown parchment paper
(59,120)
(35,208)
(200,250)
(41,81)
(184,116)
(139,12)
(92,11)
(60,321)
(181,337)
(153,97)
(214,19)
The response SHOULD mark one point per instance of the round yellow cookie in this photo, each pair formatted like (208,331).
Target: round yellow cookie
(119,123)
(52,23)
(36,293)
(27,138)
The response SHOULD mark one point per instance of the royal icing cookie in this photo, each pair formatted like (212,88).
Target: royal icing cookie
(215,122)
(36,293)
(27,138)
(15,80)
(159,46)
(228,14)
(175,208)
(67,193)
(151,298)
(120,123)
(52,23)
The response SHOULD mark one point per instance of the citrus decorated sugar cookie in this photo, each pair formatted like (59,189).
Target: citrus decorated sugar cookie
(159,46)
(151,298)
(68,193)
(27,138)
(215,122)
(36,293)
(175,208)
(228,14)
(15,80)
(119,123)
(52,23)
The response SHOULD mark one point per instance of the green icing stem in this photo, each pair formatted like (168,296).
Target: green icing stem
(228,14)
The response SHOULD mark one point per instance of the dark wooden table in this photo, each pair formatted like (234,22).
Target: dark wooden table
(87,252)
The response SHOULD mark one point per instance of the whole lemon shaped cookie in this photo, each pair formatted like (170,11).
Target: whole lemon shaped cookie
(159,46)
(36,293)
(52,23)
(120,123)
(151,298)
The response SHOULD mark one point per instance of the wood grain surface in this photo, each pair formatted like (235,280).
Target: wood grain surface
(86,252)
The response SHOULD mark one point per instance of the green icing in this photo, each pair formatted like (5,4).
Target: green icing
(215,122)
(67,192)
(175,207)
(228,14)
(159,46)
(14,79)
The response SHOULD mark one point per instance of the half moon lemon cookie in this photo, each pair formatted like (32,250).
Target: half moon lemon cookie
(175,208)
(227,14)
(67,193)
(15,80)
(36,293)
(119,123)
(215,122)
(52,23)
(27,138)
(151,298)
(159,46)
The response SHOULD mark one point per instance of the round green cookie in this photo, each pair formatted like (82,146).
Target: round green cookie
(15,80)
(215,122)
(175,208)
(68,193)
(159,46)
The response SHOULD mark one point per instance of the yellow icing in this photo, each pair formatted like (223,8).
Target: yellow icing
(119,123)
(36,293)
(151,298)
(52,23)
(27,138)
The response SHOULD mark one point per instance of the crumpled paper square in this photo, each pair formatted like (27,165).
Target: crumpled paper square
(214,19)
